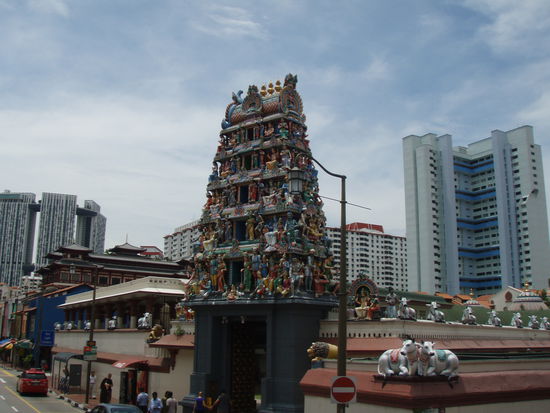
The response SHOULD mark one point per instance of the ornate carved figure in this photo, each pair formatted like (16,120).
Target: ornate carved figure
(494,320)
(436,362)
(468,316)
(145,322)
(516,321)
(111,325)
(399,361)
(544,324)
(533,322)
(155,334)
(434,314)
(391,303)
(405,312)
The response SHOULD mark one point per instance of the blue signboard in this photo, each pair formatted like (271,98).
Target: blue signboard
(47,338)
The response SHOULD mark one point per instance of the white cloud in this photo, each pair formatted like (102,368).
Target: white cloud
(58,7)
(516,27)
(222,21)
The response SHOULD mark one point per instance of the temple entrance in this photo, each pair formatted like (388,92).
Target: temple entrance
(248,364)
(235,276)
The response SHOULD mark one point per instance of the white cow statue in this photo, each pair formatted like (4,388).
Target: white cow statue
(533,322)
(494,320)
(57,326)
(87,325)
(68,325)
(111,325)
(145,322)
(399,361)
(405,312)
(434,362)
(468,316)
(516,321)
(544,324)
(434,314)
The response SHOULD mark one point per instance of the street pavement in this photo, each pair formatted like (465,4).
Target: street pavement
(12,402)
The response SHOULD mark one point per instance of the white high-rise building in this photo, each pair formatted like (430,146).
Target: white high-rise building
(17,225)
(179,244)
(476,216)
(381,257)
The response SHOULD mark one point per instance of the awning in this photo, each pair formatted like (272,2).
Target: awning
(175,342)
(64,357)
(26,344)
(122,364)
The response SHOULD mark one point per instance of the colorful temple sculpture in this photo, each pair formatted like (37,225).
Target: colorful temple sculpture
(263,234)
(262,275)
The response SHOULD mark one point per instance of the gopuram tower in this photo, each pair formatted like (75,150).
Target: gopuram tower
(262,274)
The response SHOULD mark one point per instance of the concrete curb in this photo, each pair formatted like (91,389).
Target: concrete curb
(80,406)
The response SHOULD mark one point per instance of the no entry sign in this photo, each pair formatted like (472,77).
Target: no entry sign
(343,389)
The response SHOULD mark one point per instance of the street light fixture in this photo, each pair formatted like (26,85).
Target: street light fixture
(296,179)
(95,272)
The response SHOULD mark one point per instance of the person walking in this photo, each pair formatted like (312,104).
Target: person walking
(155,405)
(142,400)
(92,384)
(199,404)
(222,402)
(105,389)
(171,403)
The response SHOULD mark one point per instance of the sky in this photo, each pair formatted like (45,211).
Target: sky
(120,101)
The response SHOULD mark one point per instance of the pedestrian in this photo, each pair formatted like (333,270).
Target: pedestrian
(163,400)
(142,400)
(155,405)
(199,404)
(222,402)
(65,386)
(171,403)
(105,389)
(92,384)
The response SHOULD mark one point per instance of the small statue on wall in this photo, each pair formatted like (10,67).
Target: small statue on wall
(405,312)
(145,322)
(493,319)
(399,361)
(434,314)
(516,321)
(87,325)
(112,324)
(391,303)
(155,334)
(468,316)
(533,322)
(434,362)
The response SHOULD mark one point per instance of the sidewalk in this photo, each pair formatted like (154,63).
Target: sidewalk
(76,399)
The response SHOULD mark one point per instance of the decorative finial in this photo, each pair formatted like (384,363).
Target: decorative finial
(270,89)
(263,91)
(526,285)
(472,292)
(278,86)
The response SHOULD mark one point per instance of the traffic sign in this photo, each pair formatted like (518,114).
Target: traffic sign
(90,353)
(343,389)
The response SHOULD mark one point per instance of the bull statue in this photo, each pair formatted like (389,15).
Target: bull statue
(533,322)
(516,321)
(111,324)
(544,324)
(145,322)
(493,319)
(87,325)
(320,350)
(68,325)
(57,326)
(399,361)
(434,362)
(468,316)
(434,314)
(405,312)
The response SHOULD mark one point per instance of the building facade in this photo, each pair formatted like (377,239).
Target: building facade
(56,214)
(179,244)
(380,256)
(17,224)
(476,216)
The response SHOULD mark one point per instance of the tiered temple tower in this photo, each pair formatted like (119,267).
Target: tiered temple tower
(262,272)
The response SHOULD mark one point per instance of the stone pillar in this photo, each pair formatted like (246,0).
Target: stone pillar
(98,316)
(133,314)
(121,310)
(108,314)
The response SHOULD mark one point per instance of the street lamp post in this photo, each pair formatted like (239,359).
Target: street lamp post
(95,272)
(296,178)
